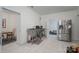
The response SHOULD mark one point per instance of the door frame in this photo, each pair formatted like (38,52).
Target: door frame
(18,29)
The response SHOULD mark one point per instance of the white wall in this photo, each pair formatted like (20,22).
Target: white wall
(29,19)
(63,15)
(10,20)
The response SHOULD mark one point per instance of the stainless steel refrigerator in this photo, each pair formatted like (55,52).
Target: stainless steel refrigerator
(0,30)
(64,30)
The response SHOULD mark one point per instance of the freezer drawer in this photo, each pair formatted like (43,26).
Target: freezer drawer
(63,37)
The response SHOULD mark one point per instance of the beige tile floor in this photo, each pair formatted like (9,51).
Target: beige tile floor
(51,45)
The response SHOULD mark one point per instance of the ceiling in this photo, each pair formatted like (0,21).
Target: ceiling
(43,10)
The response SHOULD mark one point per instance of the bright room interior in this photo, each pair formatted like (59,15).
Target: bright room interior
(39,29)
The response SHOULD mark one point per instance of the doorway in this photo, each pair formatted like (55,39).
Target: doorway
(52,28)
(10,26)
